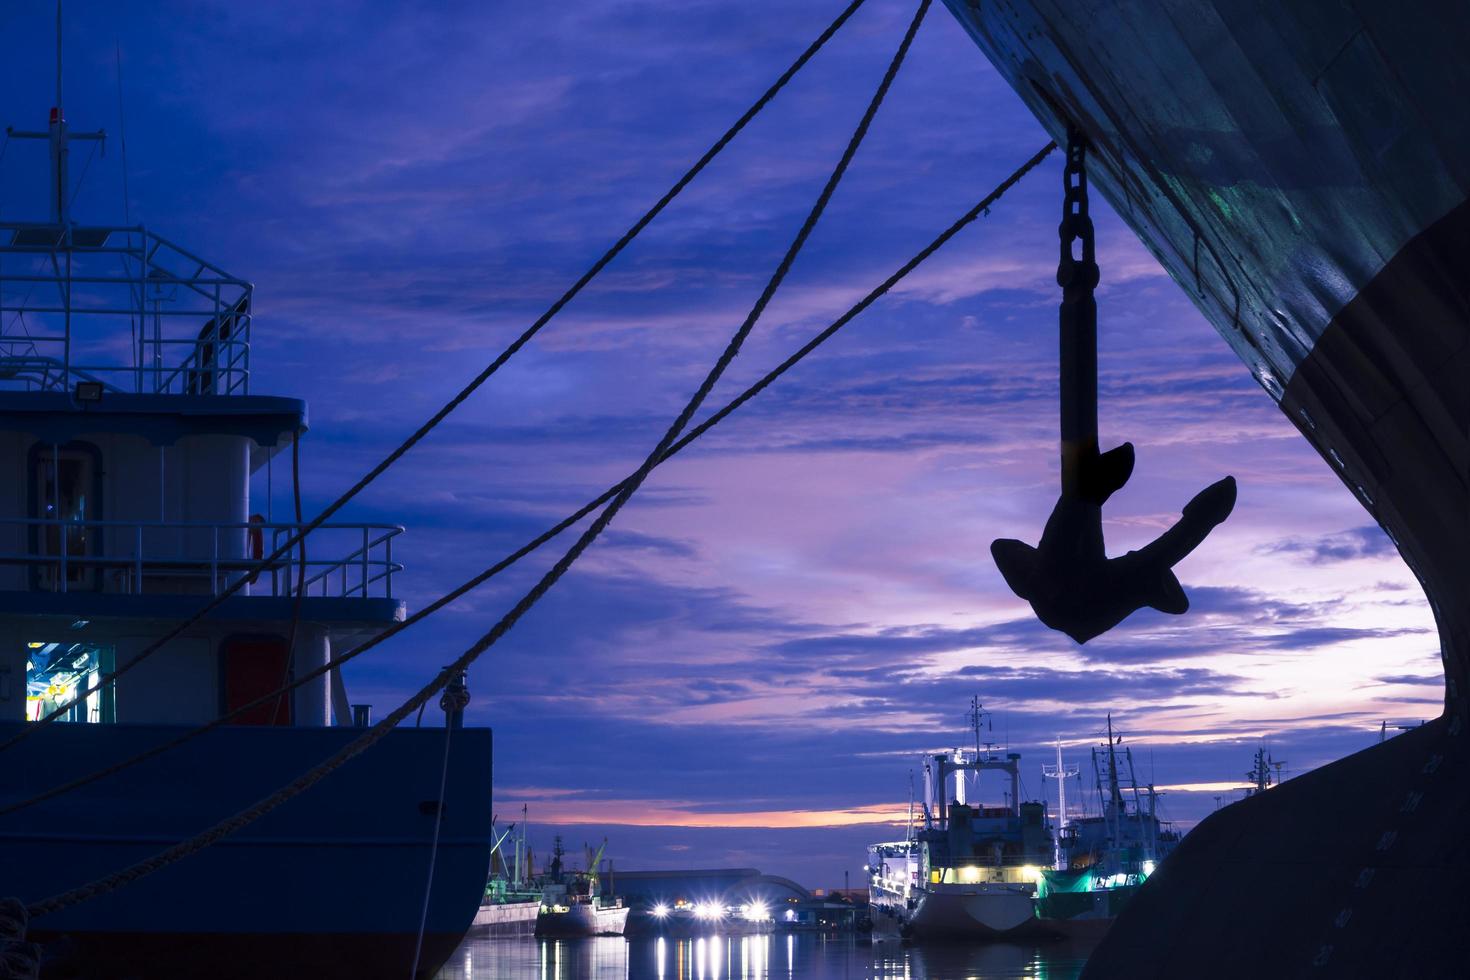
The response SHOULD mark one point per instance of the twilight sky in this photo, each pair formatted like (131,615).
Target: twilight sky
(745,668)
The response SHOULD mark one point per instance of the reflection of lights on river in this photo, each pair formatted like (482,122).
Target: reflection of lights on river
(705,958)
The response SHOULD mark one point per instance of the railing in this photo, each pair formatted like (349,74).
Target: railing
(158,558)
(65,292)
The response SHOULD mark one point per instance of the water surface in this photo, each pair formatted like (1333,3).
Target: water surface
(769,957)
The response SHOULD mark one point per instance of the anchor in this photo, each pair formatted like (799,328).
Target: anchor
(1071,583)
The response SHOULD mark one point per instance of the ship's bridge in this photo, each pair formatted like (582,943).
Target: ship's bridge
(132,439)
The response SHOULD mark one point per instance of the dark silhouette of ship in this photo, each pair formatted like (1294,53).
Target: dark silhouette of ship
(1302,170)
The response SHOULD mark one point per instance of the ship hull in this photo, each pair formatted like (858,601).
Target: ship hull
(1303,172)
(1082,915)
(330,884)
(506,919)
(982,913)
(583,920)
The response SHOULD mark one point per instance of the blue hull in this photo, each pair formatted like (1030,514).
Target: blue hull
(333,880)
(1302,170)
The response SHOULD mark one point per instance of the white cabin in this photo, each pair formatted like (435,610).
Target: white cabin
(129,443)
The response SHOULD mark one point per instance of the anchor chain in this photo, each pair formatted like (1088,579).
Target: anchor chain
(1085,474)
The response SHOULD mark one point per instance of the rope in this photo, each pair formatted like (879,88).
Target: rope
(982,208)
(418,946)
(377,732)
(469,389)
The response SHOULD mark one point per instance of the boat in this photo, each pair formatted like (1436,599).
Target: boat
(1302,171)
(574,904)
(138,447)
(511,905)
(1102,859)
(966,871)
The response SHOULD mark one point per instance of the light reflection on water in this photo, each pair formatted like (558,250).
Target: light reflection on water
(768,957)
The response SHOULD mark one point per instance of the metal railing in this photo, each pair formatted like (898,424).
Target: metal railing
(64,292)
(160,558)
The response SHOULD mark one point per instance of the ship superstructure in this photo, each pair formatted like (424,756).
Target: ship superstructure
(968,870)
(132,439)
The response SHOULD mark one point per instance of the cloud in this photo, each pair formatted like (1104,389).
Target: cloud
(1368,541)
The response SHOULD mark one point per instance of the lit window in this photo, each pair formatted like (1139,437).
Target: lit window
(56,673)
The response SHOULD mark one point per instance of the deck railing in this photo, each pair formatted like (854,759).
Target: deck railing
(160,558)
(66,293)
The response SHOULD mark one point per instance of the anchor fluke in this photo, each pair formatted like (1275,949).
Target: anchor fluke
(1075,588)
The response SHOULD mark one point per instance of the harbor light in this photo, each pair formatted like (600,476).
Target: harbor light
(1148,867)
(1030,873)
(660,911)
(969,874)
(707,910)
(755,912)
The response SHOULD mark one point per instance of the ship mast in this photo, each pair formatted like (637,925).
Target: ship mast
(1061,773)
(58,135)
(1115,795)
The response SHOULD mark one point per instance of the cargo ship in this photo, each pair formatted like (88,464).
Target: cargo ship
(577,903)
(966,871)
(1302,171)
(511,905)
(133,435)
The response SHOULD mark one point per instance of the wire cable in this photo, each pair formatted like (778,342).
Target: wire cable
(474,384)
(380,730)
(576,516)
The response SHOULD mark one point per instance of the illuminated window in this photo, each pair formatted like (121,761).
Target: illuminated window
(56,673)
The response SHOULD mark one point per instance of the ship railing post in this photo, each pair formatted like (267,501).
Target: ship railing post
(138,560)
(214,560)
(364,561)
(62,528)
(388,567)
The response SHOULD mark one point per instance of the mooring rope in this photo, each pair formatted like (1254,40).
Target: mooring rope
(456,698)
(475,383)
(981,208)
(377,732)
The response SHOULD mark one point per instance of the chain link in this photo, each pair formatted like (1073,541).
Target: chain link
(1073,272)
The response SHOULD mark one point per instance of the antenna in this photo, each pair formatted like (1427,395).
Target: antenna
(58,135)
(122,132)
(58,56)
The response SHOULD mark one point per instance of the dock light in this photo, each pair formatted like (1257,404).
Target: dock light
(755,912)
(1148,867)
(707,910)
(969,874)
(660,911)
(1031,873)
(89,391)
